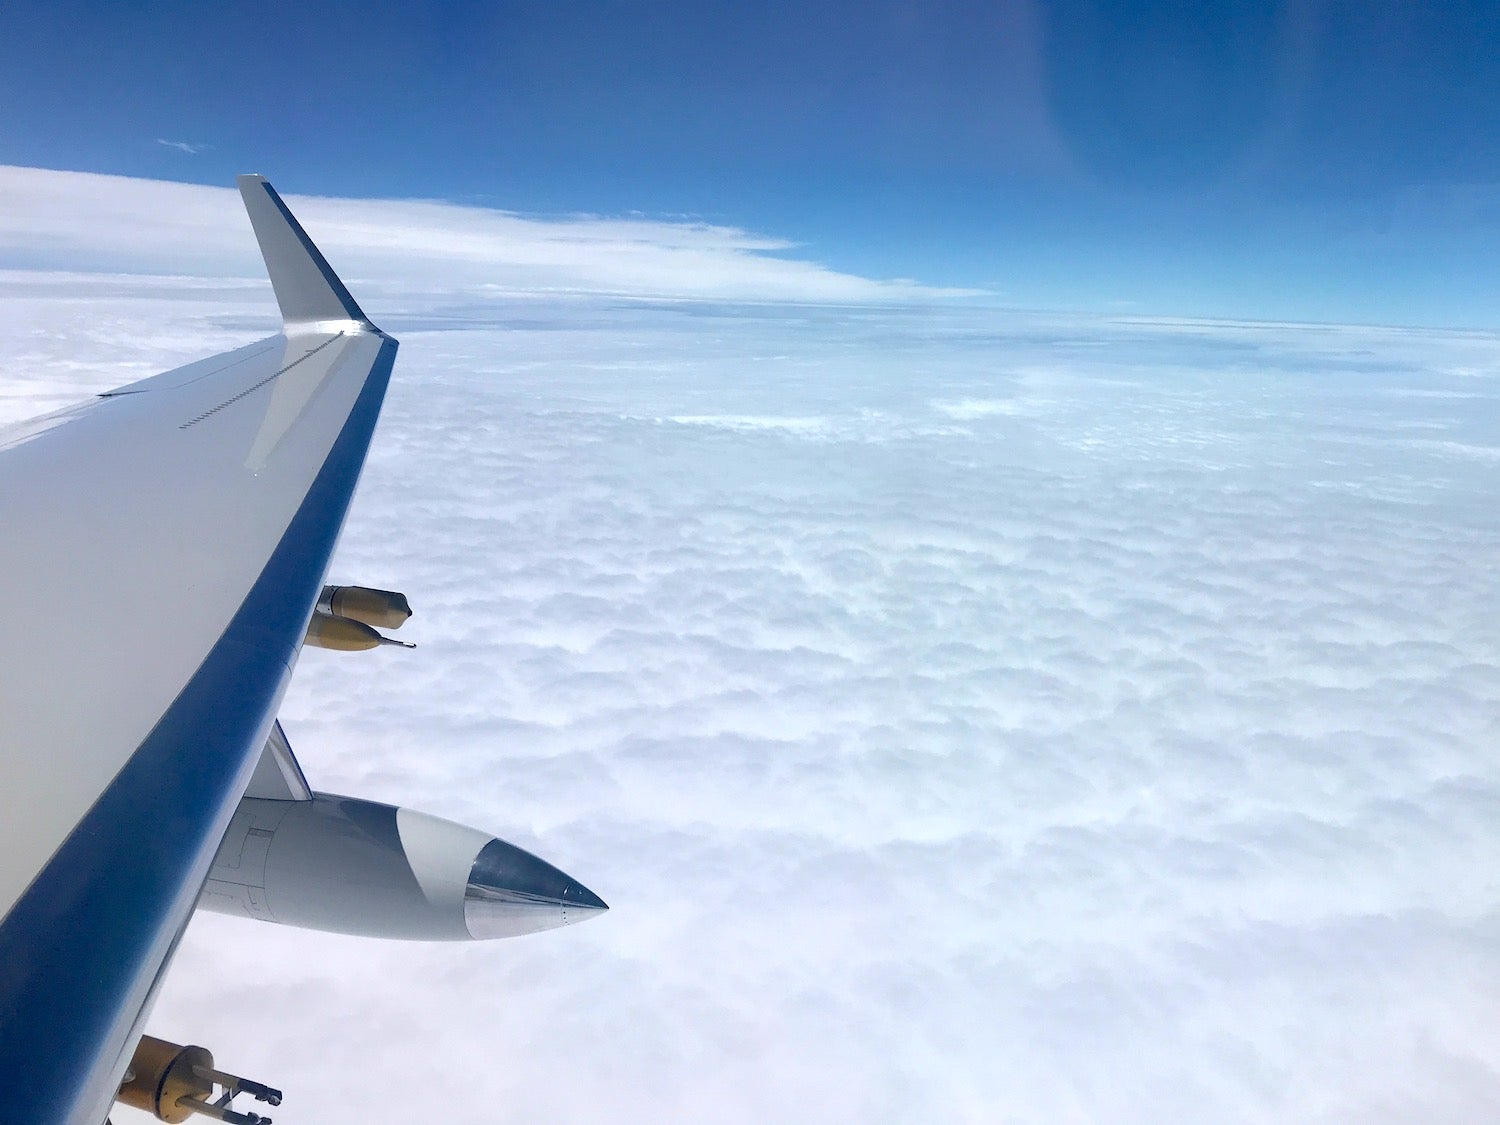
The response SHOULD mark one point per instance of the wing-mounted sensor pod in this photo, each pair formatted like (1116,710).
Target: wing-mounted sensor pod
(175,1083)
(346,617)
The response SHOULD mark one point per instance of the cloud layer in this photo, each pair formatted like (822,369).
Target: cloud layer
(412,248)
(968,715)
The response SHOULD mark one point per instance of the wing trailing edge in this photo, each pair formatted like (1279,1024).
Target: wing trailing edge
(311,296)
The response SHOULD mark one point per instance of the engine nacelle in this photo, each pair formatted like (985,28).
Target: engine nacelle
(361,867)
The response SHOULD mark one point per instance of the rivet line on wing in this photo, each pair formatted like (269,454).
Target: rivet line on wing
(252,389)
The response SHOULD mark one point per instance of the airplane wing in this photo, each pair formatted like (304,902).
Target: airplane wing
(162,549)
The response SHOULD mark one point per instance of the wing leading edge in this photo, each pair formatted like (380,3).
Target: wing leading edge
(165,548)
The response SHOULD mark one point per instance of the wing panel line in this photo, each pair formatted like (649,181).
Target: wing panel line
(271,378)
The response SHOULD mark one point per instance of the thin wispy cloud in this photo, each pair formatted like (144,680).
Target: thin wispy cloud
(183,146)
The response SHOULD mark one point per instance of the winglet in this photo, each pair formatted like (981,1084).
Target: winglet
(307,289)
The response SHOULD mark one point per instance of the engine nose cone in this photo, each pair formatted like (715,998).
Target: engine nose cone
(512,892)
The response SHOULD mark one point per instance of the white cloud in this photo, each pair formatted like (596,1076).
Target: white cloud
(182,146)
(421,251)
(968,715)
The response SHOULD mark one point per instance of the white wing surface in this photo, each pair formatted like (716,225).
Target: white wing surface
(161,549)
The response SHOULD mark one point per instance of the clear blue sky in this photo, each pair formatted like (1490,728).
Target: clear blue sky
(1307,159)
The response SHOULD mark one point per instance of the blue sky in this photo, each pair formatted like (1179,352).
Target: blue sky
(1304,160)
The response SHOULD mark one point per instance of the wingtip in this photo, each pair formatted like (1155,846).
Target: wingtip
(307,289)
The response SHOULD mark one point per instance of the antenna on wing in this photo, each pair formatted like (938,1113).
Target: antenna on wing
(310,294)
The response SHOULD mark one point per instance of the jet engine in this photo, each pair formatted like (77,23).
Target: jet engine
(360,867)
